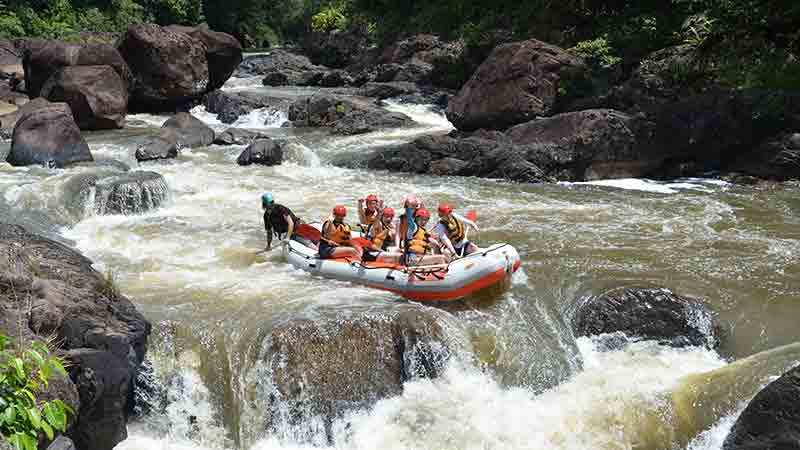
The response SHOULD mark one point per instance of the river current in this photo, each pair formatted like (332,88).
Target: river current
(193,269)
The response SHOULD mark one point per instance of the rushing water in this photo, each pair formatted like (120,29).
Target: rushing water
(194,269)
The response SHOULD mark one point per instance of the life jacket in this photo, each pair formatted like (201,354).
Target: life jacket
(340,233)
(455,229)
(370,218)
(419,244)
(381,239)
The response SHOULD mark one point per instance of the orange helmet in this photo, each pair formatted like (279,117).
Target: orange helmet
(339,210)
(445,209)
(388,212)
(372,198)
(423,213)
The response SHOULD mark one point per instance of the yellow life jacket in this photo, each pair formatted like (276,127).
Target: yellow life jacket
(340,233)
(419,244)
(379,240)
(455,229)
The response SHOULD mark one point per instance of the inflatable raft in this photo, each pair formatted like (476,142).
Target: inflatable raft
(460,278)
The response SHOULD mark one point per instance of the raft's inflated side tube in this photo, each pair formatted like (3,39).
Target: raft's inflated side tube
(458,279)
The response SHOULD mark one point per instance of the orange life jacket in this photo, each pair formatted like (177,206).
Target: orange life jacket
(419,243)
(340,233)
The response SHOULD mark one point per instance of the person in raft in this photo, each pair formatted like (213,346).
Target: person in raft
(420,243)
(369,214)
(381,235)
(278,220)
(335,239)
(452,233)
(410,203)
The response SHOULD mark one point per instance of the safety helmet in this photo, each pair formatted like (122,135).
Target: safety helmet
(266,199)
(372,198)
(445,209)
(388,212)
(423,213)
(339,210)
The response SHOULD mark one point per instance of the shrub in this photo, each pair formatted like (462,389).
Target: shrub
(23,373)
(329,18)
(597,52)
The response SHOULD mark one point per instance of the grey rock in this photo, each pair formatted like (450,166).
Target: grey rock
(46,134)
(265,152)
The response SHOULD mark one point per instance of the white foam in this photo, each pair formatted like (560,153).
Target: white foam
(646,185)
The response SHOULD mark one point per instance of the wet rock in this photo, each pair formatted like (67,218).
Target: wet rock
(188,130)
(589,145)
(323,368)
(518,82)
(43,58)
(238,136)
(103,334)
(278,60)
(46,134)
(655,314)
(335,78)
(97,96)
(448,166)
(106,163)
(389,90)
(157,148)
(772,419)
(345,116)
(265,152)
(793,142)
(130,193)
(62,443)
(276,79)
(169,68)
(223,52)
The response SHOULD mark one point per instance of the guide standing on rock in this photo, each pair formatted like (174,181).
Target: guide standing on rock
(278,219)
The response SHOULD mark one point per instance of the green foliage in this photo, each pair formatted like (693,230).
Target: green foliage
(23,373)
(597,52)
(331,17)
(110,287)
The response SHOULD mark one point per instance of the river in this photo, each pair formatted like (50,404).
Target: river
(193,269)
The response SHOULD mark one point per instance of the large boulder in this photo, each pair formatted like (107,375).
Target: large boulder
(156,148)
(97,96)
(654,314)
(43,58)
(424,59)
(323,368)
(590,145)
(518,82)
(104,336)
(344,115)
(277,60)
(169,68)
(265,152)
(337,48)
(46,134)
(772,419)
(223,52)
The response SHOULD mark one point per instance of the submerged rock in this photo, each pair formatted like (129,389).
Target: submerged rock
(189,131)
(230,106)
(772,418)
(518,82)
(104,336)
(157,148)
(238,136)
(46,134)
(655,314)
(323,368)
(265,152)
(130,193)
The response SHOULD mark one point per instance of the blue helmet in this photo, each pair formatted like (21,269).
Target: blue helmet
(267,199)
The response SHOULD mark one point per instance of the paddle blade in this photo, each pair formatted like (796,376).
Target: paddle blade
(306,231)
(361,242)
(472,215)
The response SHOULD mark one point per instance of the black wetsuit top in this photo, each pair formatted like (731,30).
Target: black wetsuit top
(274,219)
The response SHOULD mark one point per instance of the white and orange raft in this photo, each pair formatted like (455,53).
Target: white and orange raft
(462,277)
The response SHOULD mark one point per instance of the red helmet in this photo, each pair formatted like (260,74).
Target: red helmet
(372,198)
(410,201)
(339,210)
(388,212)
(445,209)
(423,213)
